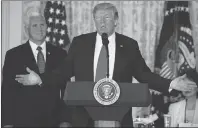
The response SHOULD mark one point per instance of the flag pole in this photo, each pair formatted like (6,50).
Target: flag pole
(176,45)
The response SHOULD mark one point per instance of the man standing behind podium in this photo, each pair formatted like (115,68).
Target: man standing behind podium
(87,55)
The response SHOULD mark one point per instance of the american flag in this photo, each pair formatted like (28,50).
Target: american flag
(55,16)
(166,72)
(175,33)
(186,50)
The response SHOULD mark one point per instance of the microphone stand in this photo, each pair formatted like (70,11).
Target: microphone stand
(107,49)
(105,42)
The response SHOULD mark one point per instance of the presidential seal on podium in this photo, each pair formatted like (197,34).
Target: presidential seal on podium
(106,91)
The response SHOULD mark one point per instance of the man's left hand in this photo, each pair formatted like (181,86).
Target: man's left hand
(182,83)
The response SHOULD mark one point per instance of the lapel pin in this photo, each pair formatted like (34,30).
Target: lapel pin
(48,53)
(121,46)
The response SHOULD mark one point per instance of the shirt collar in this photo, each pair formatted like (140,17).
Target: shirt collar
(110,38)
(34,46)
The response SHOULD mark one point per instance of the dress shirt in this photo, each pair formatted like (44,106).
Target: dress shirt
(35,51)
(112,48)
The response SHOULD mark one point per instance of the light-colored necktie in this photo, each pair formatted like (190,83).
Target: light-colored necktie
(40,60)
(101,69)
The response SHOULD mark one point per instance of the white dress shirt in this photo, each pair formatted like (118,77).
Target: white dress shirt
(35,52)
(112,48)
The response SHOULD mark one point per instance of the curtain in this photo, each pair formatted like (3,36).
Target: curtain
(5,29)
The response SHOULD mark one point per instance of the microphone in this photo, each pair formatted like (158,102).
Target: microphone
(105,42)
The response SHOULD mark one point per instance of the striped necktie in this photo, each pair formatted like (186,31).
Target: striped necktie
(40,60)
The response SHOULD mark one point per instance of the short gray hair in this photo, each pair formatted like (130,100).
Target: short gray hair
(104,6)
(27,17)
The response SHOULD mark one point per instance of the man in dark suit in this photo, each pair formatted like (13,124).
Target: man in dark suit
(31,106)
(84,58)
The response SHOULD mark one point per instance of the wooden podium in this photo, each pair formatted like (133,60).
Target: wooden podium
(131,95)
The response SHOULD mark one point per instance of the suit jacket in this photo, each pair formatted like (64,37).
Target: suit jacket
(30,105)
(128,63)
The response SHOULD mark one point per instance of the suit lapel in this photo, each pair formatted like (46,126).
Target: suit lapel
(90,49)
(29,57)
(48,57)
(118,57)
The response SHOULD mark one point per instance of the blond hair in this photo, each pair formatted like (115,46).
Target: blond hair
(106,6)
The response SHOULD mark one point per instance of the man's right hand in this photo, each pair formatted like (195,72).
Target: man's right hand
(29,79)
